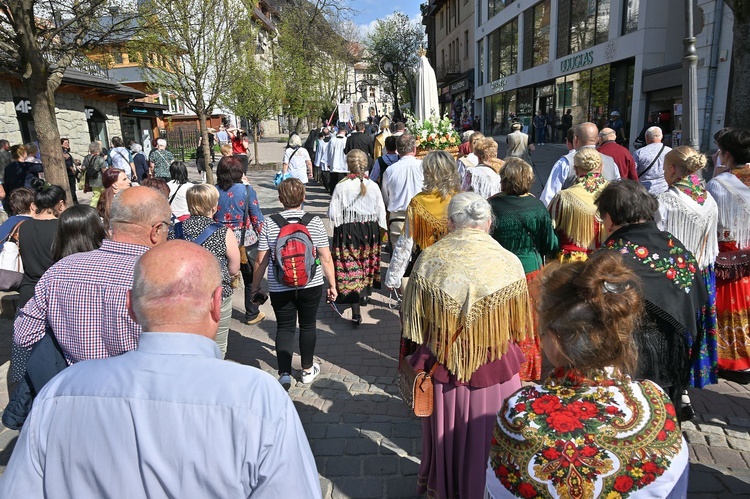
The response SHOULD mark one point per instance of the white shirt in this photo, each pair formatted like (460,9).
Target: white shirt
(170,419)
(653,180)
(121,159)
(403,180)
(558,174)
(321,155)
(336,156)
(178,202)
(297,162)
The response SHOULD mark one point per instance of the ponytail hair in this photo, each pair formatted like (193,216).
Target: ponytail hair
(356,160)
(592,309)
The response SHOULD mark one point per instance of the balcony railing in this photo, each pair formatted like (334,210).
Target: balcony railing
(448,69)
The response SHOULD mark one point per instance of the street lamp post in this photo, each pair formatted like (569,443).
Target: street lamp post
(689,83)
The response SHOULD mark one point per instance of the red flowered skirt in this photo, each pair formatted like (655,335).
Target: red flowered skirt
(356,260)
(733,317)
(531,370)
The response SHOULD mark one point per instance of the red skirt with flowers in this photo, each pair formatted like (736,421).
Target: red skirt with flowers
(733,317)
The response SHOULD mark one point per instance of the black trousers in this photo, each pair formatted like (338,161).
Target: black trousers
(289,306)
(246,269)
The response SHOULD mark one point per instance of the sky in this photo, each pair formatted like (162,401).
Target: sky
(372,10)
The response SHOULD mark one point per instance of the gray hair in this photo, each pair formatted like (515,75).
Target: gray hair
(469,210)
(95,147)
(136,148)
(405,144)
(654,132)
(295,141)
(161,142)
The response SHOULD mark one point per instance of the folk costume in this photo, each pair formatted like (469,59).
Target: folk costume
(357,221)
(601,436)
(466,283)
(523,227)
(484,179)
(574,213)
(675,299)
(689,213)
(732,193)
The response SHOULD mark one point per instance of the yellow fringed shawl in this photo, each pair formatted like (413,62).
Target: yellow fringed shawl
(428,222)
(574,213)
(467,278)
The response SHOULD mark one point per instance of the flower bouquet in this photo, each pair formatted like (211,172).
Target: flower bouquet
(433,134)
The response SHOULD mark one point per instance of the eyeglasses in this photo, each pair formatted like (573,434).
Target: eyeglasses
(168,224)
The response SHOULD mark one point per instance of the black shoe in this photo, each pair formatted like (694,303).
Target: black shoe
(686,412)
(357,319)
(741,377)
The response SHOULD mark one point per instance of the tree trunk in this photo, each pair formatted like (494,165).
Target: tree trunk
(298,126)
(739,111)
(45,122)
(256,131)
(206,148)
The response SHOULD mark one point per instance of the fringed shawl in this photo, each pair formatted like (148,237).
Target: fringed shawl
(732,195)
(485,180)
(574,213)
(467,279)
(427,218)
(694,224)
(349,206)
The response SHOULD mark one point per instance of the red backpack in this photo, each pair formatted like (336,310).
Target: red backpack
(295,259)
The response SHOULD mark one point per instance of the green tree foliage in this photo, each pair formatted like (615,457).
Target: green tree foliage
(396,39)
(39,41)
(190,48)
(313,56)
(255,94)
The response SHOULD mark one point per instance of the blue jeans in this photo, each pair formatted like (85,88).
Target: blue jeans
(540,132)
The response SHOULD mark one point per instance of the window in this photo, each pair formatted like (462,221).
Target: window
(503,51)
(442,18)
(466,44)
(536,35)
(630,18)
(564,94)
(117,56)
(581,24)
(495,6)
(480,57)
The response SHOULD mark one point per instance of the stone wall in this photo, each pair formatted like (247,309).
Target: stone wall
(9,129)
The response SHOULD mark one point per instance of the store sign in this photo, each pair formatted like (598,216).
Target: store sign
(142,111)
(460,86)
(577,61)
(23,106)
(499,85)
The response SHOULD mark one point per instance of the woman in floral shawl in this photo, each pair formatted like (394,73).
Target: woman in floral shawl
(466,305)
(484,179)
(689,212)
(674,293)
(573,212)
(357,213)
(731,190)
(589,431)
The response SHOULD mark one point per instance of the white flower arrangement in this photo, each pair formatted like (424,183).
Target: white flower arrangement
(434,132)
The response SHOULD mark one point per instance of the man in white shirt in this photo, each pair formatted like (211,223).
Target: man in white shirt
(649,161)
(337,159)
(563,174)
(402,181)
(170,419)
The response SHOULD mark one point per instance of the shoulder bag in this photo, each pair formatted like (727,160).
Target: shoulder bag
(416,386)
(653,162)
(11,266)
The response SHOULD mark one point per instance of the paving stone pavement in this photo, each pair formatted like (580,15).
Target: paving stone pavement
(366,444)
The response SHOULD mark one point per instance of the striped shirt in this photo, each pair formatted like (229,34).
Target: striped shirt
(270,234)
(82,298)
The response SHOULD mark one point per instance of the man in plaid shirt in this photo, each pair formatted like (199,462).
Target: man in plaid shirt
(82,297)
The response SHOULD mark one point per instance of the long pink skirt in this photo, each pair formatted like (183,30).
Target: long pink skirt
(456,439)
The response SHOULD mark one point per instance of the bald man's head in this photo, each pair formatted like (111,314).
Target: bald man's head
(586,135)
(174,285)
(136,210)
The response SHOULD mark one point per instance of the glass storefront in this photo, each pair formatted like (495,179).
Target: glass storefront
(503,51)
(581,24)
(591,95)
(536,35)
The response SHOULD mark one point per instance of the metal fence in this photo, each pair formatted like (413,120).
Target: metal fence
(181,142)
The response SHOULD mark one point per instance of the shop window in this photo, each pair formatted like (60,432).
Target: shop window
(564,94)
(504,51)
(495,6)
(582,24)
(630,17)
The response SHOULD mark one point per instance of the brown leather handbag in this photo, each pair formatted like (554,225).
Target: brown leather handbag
(416,386)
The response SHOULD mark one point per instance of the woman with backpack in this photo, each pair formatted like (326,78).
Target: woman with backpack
(357,213)
(295,289)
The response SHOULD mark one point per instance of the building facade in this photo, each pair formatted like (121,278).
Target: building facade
(593,57)
(450,28)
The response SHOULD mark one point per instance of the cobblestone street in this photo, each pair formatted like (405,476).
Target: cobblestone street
(365,442)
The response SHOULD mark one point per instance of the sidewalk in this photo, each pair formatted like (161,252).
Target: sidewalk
(365,442)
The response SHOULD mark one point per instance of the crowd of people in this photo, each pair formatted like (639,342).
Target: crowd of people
(630,274)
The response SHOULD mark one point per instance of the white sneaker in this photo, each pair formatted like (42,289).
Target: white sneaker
(286,381)
(311,374)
